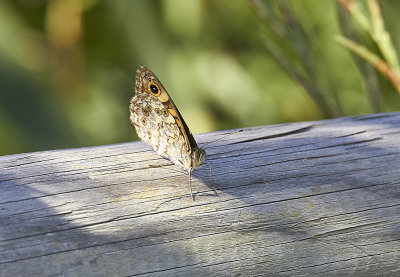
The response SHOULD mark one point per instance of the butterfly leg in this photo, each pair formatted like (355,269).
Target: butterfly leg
(190,183)
(209,165)
(212,179)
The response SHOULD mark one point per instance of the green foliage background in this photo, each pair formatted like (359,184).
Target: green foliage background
(67,67)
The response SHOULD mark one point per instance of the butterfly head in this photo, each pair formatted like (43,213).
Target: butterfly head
(197,156)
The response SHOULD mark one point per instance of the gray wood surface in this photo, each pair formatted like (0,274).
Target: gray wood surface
(302,199)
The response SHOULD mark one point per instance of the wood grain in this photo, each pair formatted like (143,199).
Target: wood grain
(300,199)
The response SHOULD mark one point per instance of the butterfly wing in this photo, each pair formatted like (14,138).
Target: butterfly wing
(159,123)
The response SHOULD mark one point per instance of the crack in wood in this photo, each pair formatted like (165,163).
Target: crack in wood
(347,229)
(297,131)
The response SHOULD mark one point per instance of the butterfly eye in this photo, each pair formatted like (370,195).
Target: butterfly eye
(154,89)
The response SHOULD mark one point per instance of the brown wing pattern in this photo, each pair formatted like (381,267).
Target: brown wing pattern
(147,82)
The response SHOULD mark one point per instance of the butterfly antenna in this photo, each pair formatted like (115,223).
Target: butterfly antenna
(237,131)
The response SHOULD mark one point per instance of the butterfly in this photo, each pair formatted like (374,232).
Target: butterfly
(159,123)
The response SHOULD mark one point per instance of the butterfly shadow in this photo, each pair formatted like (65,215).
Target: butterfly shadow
(193,179)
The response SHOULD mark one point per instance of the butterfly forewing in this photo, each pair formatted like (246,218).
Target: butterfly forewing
(159,123)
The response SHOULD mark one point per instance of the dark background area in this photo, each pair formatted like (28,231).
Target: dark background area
(67,67)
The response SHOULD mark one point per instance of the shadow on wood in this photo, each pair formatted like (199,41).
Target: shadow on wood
(293,199)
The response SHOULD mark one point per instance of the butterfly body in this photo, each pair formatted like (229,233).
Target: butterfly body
(159,123)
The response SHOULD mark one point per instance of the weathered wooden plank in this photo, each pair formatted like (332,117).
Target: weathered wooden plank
(288,200)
